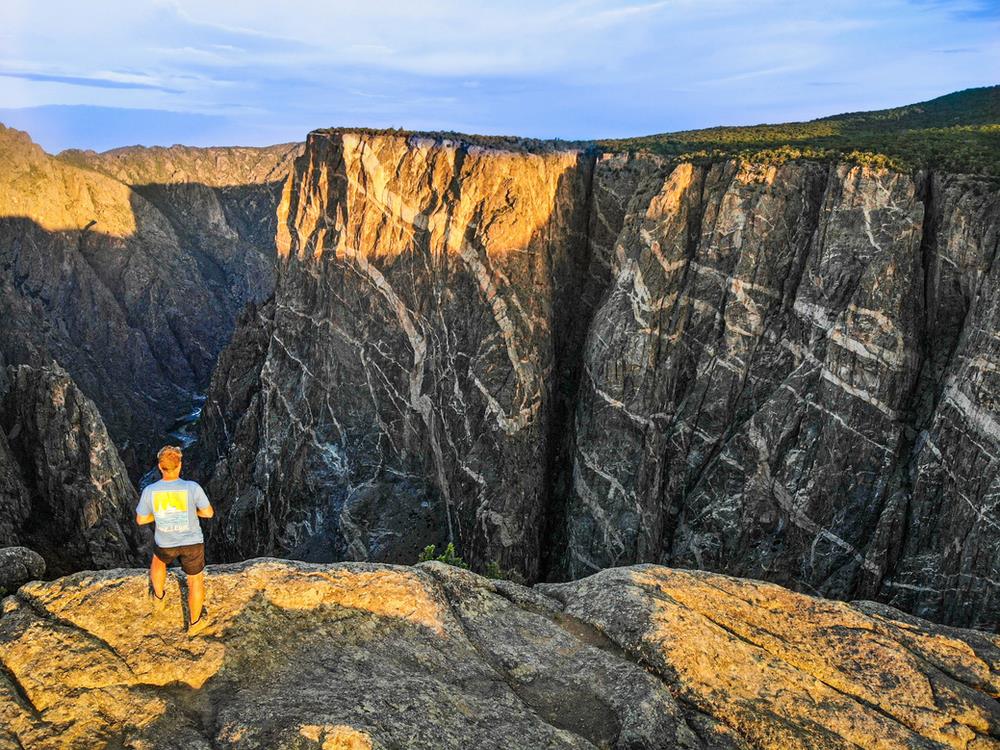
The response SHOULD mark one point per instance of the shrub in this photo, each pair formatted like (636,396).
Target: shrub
(448,557)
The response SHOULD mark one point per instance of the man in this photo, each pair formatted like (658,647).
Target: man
(175,505)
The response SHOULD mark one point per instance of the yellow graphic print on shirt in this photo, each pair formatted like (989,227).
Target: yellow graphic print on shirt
(170,507)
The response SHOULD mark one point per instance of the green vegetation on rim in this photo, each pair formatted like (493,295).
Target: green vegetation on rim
(448,557)
(958,132)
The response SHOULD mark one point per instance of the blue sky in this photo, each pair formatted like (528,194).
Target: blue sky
(118,72)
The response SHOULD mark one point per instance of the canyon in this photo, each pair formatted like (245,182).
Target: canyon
(559,357)
(129,269)
(566,361)
(710,440)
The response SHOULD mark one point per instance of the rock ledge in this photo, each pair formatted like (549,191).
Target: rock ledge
(359,655)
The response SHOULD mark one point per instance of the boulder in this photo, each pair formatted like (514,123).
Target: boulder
(18,565)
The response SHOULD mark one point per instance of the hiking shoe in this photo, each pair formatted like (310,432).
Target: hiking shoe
(157,603)
(198,625)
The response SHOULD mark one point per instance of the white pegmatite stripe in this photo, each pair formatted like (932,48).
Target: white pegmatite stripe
(420,401)
(983,421)
(836,380)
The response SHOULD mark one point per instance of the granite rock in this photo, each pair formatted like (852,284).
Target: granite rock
(565,361)
(781,354)
(358,655)
(425,308)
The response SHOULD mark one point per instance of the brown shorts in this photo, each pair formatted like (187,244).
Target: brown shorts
(192,557)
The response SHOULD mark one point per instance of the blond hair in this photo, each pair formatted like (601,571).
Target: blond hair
(169,457)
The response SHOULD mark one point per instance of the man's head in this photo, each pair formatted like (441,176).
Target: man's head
(169,459)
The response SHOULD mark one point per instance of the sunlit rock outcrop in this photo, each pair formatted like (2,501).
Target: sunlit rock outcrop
(372,656)
(785,670)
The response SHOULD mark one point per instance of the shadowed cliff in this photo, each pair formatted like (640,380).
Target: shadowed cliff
(64,491)
(133,288)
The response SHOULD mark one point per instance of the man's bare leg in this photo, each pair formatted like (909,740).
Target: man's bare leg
(196,595)
(158,576)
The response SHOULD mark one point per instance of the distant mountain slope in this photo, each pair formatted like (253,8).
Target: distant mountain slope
(958,132)
(219,166)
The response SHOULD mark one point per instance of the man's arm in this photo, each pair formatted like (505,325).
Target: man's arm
(202,507)
(144,510)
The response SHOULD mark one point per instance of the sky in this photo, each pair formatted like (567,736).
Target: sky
(109,73)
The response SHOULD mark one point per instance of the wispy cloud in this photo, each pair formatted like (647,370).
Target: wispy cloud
(94,82)
(604,18)
(747,74)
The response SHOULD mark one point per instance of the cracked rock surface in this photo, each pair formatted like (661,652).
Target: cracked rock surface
(360,655)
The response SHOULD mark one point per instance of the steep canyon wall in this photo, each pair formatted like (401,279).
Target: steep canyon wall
(415,352)
(565,361)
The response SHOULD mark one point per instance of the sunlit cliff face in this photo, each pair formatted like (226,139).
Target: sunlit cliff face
(429,284)
(58,197)
(416,195)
